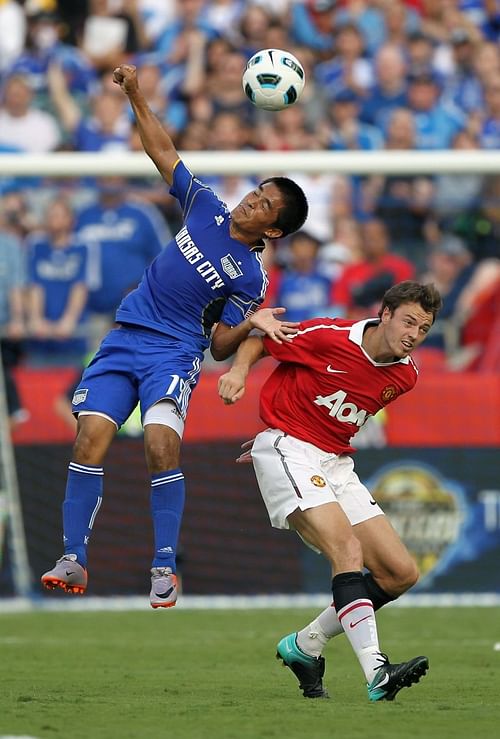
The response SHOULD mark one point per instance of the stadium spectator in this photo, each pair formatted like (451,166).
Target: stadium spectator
(436,122)
(105,128)
(303,290)
(22,125)
(348,68)
(403,202)
(361,285)
(347,130)
(480,227)
(312,24)
(450,267)
(420,52)
(12,33)
(487,62)
(489,135)
(252,28)
(12,319)
(123,238)
(56,290)
(400,21)
(456,195)
(155,356)
(111,34)
(43,48)
(307,479)
(462,87)
(172,42)
(367,18)
(228,133)
(389,90)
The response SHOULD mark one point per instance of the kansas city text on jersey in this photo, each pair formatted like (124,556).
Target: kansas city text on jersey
(193,255)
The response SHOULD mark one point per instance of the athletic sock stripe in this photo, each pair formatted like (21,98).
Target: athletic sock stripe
(85,470)
(95,512)
(165,480)
(352,607)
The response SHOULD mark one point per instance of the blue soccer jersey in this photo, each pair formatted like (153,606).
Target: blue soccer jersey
(201,277)
(122,241)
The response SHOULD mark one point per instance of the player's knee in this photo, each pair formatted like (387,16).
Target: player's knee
(162,455)
(405,577)
(86,449)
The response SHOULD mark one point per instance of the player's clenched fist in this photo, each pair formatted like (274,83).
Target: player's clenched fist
(231,386)
(126,76)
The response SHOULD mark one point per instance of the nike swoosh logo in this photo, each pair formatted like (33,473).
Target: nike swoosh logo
(164,595)
(69,572)
(352,625)
(383,681)
(330,369)
(373,502)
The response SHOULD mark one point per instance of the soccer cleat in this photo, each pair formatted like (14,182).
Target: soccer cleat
(307,669)
(163,588)
(390,679)
(67,574)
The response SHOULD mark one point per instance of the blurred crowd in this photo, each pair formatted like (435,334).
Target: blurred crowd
(380,74)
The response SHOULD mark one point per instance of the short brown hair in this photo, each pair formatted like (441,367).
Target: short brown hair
(427,296)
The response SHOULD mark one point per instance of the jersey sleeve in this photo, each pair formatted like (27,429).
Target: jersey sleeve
(240,306)
(309,339)
(189,190)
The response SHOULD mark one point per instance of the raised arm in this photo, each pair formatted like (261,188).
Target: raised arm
(232,384)
(156,142)
(226,339)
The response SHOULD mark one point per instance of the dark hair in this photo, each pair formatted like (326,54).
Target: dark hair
(409,291)
(294,213)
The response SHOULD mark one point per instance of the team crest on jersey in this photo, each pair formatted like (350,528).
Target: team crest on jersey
(219,220)
(80,396)
(230,267)
(388,393)
(318,481)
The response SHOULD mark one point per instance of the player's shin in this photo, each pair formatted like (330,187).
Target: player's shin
(357,617)
(82,502)
(313,637)
(167,505)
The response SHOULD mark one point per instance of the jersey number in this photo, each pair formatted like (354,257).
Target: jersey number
(345,412)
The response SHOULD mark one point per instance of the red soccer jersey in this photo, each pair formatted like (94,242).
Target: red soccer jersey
(326,385)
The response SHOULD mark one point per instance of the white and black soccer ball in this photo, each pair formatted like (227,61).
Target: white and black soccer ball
(273,79)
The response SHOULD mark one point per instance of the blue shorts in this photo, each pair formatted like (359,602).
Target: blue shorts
(134,365)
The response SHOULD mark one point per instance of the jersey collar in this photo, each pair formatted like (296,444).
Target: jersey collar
(259,246)
(356,336)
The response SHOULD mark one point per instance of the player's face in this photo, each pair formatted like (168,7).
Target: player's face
(406,328)
(259,210)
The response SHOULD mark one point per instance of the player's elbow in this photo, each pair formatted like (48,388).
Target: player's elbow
(219,353)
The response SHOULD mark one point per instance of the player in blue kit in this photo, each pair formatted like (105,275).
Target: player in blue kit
(210,273)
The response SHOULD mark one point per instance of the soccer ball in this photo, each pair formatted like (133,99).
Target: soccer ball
(273,79)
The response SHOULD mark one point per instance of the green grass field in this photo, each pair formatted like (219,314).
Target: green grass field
(212,674)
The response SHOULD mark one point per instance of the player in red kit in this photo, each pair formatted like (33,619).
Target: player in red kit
(332,375)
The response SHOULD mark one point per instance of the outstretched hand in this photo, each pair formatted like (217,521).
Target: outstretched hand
(126,76)
(246,454)
(279,331)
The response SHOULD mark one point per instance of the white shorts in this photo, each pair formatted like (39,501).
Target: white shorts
(295,474)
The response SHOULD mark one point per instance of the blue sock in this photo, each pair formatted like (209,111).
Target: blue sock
(83,500)
(167,505)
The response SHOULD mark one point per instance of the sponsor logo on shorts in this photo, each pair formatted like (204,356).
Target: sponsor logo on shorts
(80,396)
(318,481)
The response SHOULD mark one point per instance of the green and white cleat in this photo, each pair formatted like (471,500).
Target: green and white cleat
(390,679)
(307,669)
